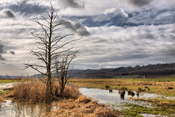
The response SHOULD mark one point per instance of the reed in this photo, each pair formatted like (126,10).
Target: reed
(35,91)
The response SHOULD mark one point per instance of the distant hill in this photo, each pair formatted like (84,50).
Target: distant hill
(156,69)
(151,69)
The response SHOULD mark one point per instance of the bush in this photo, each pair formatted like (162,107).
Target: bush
(35,91)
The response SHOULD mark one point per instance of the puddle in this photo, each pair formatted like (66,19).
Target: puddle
(21,109)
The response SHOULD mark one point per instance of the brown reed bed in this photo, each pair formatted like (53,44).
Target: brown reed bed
(82,107)
(35,91)
(1,100)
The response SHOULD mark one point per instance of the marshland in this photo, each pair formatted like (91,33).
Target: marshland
(69,58)
(93,97)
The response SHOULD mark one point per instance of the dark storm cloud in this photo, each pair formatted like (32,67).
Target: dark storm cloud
(1,48)
(26,8)
(12,52)
(1,52)
(168,51)
(153,16)
(7,13)
(72,3)
(140,3)
(125,56)
(75,27)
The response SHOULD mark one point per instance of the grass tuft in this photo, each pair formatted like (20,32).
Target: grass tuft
(1,100)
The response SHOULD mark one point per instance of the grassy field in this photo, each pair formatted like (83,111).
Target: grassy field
(158,85)
(8,81)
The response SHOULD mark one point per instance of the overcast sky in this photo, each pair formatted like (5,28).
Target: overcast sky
(113,33)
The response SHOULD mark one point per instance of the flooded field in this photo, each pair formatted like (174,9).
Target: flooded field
(21,109)
(6,85)
(112,98)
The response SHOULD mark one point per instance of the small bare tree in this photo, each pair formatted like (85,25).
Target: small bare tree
(51,45)
(63,69)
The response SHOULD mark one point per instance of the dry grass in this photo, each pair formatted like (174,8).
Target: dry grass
(71,92)
(1,100)
(35,91)
(82,107)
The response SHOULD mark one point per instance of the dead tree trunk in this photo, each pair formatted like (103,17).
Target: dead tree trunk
(51,46)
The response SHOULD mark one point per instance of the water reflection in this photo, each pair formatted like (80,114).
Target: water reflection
(118,97)
(22,109)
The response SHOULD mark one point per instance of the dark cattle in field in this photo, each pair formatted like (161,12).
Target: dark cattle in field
(124,88)
(122,94)
(131,93)
(170,88)
(147,88)
(138,94)
(110,90)
(107,87)
(141,90)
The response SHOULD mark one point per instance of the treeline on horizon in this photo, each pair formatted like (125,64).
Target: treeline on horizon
(145,70)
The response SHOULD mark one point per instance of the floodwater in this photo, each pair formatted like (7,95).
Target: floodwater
(21,109)
(6,85)
(114,98)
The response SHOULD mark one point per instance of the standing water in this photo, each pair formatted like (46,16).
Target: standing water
(21,109)
(114,98)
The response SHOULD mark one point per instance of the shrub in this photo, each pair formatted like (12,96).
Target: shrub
(35,91)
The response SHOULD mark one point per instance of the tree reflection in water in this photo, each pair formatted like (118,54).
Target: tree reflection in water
(31,109)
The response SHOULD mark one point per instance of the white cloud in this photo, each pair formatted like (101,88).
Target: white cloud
(123,12)
(108,46)
(107,11)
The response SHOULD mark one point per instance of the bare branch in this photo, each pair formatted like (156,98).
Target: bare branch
(35,68)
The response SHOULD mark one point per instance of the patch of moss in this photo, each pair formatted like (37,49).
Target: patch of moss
(135,110)
(8,81)
(5,91)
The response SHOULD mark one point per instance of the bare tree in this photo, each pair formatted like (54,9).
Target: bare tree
(51,45)
(63,68)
